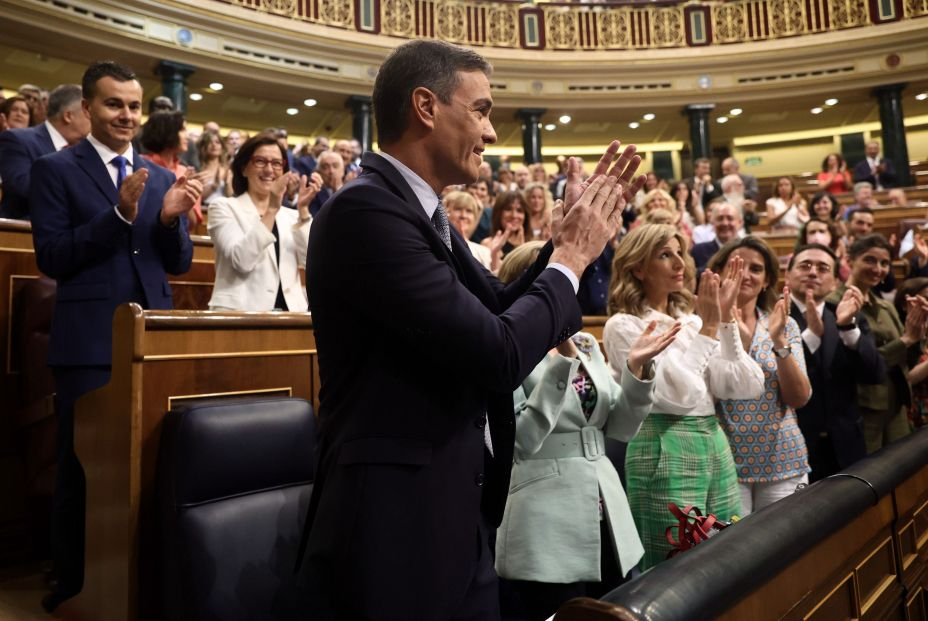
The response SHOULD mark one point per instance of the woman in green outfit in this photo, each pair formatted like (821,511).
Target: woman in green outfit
(883,406)
(680,454)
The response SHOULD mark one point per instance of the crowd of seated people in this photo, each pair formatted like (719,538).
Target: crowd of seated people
(729,388)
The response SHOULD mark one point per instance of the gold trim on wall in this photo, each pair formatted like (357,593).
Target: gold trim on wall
(231,354)
(284,391)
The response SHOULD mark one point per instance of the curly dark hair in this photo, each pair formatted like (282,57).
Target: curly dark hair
(825,161)
(161,131)
(817,198)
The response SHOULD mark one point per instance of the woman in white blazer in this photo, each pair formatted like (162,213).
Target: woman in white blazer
(259,245)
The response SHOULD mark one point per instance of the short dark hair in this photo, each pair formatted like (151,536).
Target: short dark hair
(161,131)
(431,64)
(502,200)
(161,103)
(835,206)
(859,210)
(244,155)
(804,247)
(911,286)
(63,97)
(767,298)
(7,104)
(825,161)
(868,242)
(104,69)
(702,160)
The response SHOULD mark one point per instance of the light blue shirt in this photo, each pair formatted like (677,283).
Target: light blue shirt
(429,201)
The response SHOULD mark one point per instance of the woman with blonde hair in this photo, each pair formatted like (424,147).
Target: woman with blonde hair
(539,202)
(680,454)
(463,214)
(658,199)
(214,167)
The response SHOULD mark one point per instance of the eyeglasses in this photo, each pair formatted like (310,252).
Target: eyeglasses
(808,266)
(261,162)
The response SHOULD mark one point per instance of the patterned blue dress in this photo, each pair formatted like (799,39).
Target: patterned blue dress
(763,433)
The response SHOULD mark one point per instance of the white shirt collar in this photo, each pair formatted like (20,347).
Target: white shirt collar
(423,191)
(107,154)
(57,139)
(819,308)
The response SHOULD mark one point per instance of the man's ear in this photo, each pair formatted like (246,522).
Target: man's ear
(423,106)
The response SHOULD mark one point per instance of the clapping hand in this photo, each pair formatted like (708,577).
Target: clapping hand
(776,324)
(851,303)
(130,192)
(916,316)
(707,303)
(624,169)
(729,286)
(309,188)
(814,320)
(280,188)
(649,345)
(180,199)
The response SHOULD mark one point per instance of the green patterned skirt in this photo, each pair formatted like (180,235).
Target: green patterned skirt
(680,459)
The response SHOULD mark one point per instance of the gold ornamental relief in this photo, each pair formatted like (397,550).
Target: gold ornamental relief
(667,27)
(502,26)
(337,13)
(787,17)
(848,13)
(451,21)
(914,8)
(613,29)
(728,23)
(562,29)
(279,7)
(398,17)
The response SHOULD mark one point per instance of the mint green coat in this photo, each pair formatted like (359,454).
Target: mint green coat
(550,530)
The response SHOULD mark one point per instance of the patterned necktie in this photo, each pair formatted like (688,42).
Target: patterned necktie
(120,162)
(440,222)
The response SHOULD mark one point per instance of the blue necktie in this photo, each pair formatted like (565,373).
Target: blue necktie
(120,162)
(440,222)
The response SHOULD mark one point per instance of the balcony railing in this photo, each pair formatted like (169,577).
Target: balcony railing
(606,26)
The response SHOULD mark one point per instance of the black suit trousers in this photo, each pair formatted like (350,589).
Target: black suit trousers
(68,505)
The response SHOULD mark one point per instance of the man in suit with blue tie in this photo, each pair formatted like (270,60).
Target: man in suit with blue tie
(108,226)
(19,148)
(840,353)
(420,349)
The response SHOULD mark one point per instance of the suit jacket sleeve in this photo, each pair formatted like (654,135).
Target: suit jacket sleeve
(389,267)
(174,245)
(871,369)
(63,249)
(242,249)
(15,164)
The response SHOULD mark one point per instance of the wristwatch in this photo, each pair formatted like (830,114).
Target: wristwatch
(849,326)
(782,352)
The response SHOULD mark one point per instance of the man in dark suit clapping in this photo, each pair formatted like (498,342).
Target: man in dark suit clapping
(19,148)
(420,349)
(840,353)
(107,226)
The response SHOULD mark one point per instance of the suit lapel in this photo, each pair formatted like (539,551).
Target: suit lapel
(45,139)
(89,160)
(830,338)
(372,161)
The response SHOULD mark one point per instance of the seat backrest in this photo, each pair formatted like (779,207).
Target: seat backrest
(234,480)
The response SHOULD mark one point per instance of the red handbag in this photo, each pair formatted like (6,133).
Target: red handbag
(692,528)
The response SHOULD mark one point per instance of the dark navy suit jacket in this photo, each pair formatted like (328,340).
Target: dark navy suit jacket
(703,252)
(19,148)
(863,172)
(418,348)
(98,260)
(834,371)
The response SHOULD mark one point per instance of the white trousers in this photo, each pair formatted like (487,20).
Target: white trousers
(756,496)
